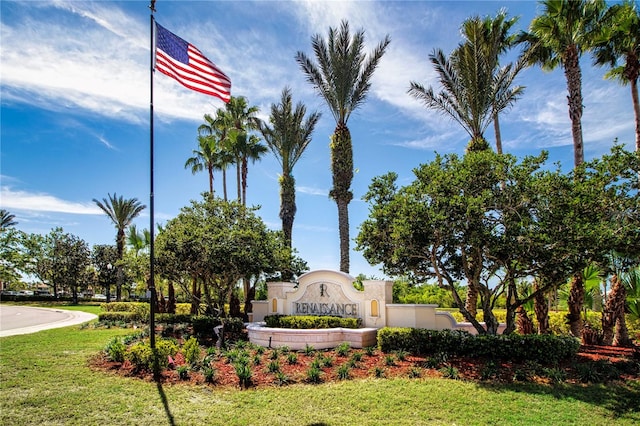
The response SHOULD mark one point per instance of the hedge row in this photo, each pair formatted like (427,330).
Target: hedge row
(539,348)
(307,322)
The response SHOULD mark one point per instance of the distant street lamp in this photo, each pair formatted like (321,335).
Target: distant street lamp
(108,283)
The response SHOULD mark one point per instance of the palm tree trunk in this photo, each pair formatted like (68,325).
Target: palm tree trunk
(496,127)
(245,172)
(224,183)
(342,170)
(573,75)
(119,271)
(524,323)
(575,302)
(287,207)
(541,309)
(210,170)
(238,180)
(636,110)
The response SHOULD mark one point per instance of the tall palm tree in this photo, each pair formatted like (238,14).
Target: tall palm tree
(121,212)
(475,90)
(620,42)
(495,40)
(203,157)
(250,149)
(217,128)
(7,219)
(240,119)
(288,137)
(342,77)
(558,37)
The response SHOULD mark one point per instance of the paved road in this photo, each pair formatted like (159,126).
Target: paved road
(24,320)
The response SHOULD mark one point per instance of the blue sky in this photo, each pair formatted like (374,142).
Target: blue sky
(74,88)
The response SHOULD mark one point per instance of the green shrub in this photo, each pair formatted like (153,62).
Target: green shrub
(281,378)
(243,371)
(115,350)
(538,348)
(209,374)
(165,318)
(450,372)
(343,349)
(191,351)
(273,366)
(379,372)
(292,358)
(203,325)
(308,349)
(183,372)
(311,322)
(314,374)
(343,372)
(415,373)
(126,317)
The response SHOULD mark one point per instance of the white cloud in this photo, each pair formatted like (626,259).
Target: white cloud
(312,191)
(40,202)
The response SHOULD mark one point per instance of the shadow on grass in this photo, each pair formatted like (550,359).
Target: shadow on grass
(619,399)
(165,403)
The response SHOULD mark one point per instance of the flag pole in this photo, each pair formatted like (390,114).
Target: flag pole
(152,286)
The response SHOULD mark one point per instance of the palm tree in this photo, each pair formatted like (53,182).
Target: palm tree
(216,128)
(288,137)
(620,41)
(558,37)
(342,77)
(250,149)
(240,119)
(206,156)
(121,212)
(6,219)
(474,89)
(495,40)
(138,240)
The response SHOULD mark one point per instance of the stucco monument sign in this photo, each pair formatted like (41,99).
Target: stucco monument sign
(332,293)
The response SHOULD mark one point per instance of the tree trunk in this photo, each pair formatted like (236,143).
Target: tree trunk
(245,173)
(573,75)
(496,127)
(224,184)
(471,301)
(575,302)
(342,171)
(613,315)
(195,297)
(610,310)
(541,309)
(171,303)
(287,207)
(524,323)
(210,170)
(632,69)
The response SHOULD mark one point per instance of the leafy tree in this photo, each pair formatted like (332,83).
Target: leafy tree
(288,137)
(6,220)
(13,259)
(104,258)
(491,222)
(342,77)
(121,212)
(558,37)
(212,245)
(619,47)
(71,259)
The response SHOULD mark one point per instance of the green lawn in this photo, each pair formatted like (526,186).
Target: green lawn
(45,380)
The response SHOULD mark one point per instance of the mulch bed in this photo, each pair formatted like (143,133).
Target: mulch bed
(379,364)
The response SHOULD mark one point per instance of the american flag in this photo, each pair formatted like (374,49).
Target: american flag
(182,61)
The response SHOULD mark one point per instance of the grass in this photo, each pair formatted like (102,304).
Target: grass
(45,380)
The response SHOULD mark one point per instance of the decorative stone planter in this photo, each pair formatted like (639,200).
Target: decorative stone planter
(323,338)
